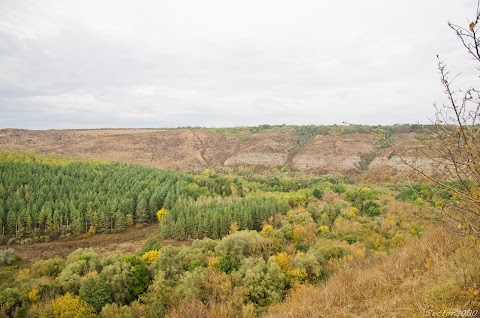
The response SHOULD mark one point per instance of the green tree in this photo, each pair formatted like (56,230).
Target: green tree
(95,292)
(227,264)
(158,295)
(265,280)
(120,221)
(139,277)
(142,212)
(78,264)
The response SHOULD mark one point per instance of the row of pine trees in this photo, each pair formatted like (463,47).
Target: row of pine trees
(47,199)
(38,198)
(214,217)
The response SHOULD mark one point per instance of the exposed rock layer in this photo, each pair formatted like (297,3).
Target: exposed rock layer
(197,149)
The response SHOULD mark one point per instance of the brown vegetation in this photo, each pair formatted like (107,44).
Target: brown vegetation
(438,272)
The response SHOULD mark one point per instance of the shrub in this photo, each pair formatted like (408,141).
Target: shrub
(40,309)
(318,193)
(72,306)
(332,251)
(149,245)
(308,264)
(338,188)
(9,299)
(301,247)
(264,280)
(116,310)
(205,244)
(7,256)
(227,264)
(244,244)
(49,267)
(350,238)
(372,208)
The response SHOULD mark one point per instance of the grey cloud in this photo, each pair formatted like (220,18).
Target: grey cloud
(215,63)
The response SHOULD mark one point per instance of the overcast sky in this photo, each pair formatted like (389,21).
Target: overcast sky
(221,63)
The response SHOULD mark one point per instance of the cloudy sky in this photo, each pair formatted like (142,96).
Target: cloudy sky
(221,63)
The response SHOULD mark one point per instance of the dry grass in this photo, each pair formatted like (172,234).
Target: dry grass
(437,272)
(127,241)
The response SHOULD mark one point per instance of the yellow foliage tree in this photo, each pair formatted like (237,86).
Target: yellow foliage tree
(284,261)
(129,219)
(323,228)
(33,295)
(266,230)
(304,234)
(23,273)
(353,211)
(70,306)
(365,190)
(297,275)
(233,227)
(213,262)
(161,214)
(151,256)
(299,234)
(297,210)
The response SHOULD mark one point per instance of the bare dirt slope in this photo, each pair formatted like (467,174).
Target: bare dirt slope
(197,149)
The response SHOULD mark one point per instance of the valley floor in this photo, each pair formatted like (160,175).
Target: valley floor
(127,241)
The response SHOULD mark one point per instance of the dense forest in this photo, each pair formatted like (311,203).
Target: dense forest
(44,198)
(42,201)
(254,237)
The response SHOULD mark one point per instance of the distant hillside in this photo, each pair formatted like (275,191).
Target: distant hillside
(312,149)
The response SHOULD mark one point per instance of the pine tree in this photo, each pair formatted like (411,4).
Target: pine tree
(77,221)
(11,222)
(180,227)
(3,220)
(141,212)
(20,230)
(57,219)
(154,205)
(170,199)
(120,221)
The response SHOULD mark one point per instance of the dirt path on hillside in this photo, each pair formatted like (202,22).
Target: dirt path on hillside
(127,241)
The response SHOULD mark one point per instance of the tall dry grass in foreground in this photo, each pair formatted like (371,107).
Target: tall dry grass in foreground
(437,272)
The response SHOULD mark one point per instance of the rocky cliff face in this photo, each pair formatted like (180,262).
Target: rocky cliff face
(197,149)
(334,154)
